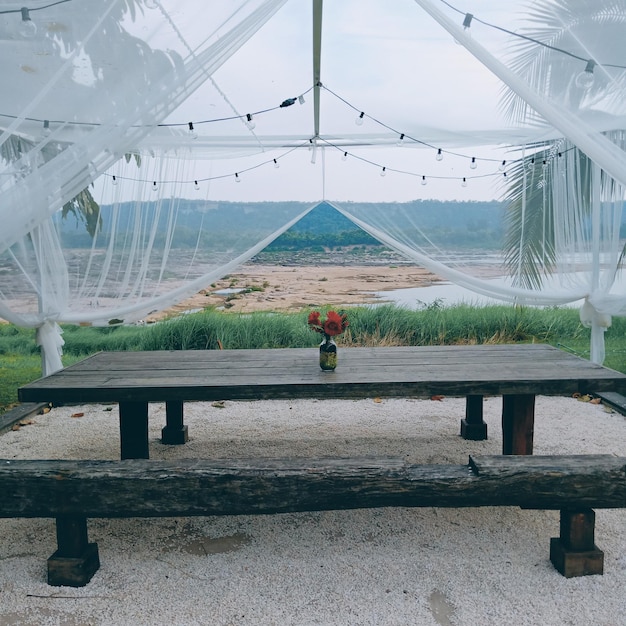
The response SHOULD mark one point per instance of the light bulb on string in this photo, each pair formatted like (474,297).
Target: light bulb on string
(192,133)
(344,156)
(276,164)
(114,181)
(464,182)
(467,22)
(473,163)
(383,172)
(584,80)
(424,181)
(250,123)
(196,186)
(26,28)
(502,166)
(45,132)
(237,179)
(400,141)
(359,120)
(531,163)
(439,156)
(301,99)
(154,186)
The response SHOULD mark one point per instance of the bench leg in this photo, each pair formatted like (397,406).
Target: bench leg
(174,432)
(518,423)
(473,427)
(574,553)
(76,560)
(134,430)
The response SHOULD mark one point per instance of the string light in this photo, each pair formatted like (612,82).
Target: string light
(27,28)
(250,123)
(46,128)
(401,140)
(192,133)
(344,156)
(195,185)
(301,99)
(584,80)
(464,183)
(440,151)
(473,164)
(310,143)
(276,164)
(502,166)
(114,181)
(525,37)
(359,120)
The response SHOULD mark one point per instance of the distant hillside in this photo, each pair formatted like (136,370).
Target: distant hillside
(450,224)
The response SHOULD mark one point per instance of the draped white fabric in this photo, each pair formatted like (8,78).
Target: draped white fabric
(98,81)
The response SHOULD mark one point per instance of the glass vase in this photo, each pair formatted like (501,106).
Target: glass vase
(328,354)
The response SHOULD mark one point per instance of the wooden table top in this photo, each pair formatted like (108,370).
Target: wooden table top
(185,375)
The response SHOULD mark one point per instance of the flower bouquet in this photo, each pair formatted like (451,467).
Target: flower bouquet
(334,324)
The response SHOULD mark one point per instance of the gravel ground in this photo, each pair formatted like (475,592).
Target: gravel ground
(430,566)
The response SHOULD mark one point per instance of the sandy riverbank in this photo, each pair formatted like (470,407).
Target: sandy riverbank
(291,288)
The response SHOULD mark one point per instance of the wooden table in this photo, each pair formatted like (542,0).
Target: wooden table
(516,372)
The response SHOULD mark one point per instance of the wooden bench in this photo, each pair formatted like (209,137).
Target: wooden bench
(72,491)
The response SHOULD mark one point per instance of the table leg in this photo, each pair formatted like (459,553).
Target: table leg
(134,430)
(473,427)
(518,423)
(174,432)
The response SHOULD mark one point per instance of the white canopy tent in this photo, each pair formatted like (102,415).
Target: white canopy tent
(150,104)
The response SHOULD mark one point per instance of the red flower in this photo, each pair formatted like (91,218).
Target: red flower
(314,318)
(334,324)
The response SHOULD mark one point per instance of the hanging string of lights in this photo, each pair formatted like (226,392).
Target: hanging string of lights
(404,137)
(311,143)
(423,178)
(468,18)
(236,175)
(247,118)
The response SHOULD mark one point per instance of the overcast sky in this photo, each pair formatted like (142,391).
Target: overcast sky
(388,59)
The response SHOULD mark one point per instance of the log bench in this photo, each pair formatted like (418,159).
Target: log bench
(73,491)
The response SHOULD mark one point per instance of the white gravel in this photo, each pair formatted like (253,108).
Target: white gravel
(429,566)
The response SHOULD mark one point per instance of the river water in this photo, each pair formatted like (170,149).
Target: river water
(449,294)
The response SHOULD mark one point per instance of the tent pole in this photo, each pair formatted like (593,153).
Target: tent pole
(317,51)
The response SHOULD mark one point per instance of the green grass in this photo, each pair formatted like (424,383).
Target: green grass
(369,326)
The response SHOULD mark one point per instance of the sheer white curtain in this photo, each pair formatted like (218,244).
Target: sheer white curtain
(87,85)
